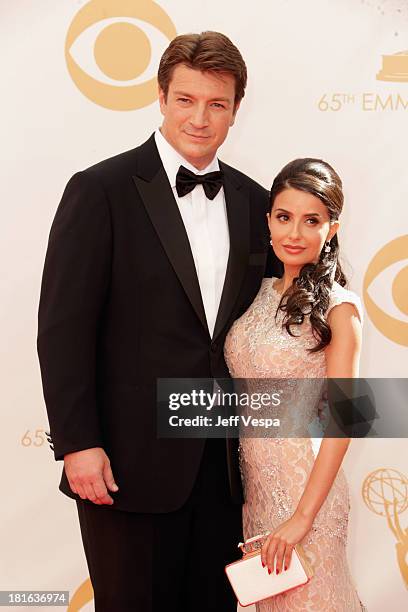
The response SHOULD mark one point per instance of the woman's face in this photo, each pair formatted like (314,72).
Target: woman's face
(299,224)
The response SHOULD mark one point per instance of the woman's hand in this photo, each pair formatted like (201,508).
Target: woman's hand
(281,541)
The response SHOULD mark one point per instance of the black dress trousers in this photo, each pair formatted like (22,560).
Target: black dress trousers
(172,562)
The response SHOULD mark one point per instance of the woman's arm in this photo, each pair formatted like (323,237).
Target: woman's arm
(343,352)
(342,359)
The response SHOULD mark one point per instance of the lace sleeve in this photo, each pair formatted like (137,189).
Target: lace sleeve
(340,294)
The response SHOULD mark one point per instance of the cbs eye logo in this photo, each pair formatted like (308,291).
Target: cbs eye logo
(128,38)
(387,263)
(81,597)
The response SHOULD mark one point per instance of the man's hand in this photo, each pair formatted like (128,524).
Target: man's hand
(90,476)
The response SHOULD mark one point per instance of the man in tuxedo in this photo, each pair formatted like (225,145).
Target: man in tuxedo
(152,255)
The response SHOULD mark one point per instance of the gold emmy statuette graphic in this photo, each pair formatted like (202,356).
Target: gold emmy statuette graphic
(122,51)
(83,595)
(394,67)
(385,492)
(394,329)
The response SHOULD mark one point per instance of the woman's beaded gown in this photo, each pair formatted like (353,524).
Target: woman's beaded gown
(275,470)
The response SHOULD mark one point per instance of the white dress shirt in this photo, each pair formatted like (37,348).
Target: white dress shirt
(206,224)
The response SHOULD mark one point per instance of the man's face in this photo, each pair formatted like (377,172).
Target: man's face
(198,112)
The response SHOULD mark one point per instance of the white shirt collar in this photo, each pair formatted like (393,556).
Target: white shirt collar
(172,160)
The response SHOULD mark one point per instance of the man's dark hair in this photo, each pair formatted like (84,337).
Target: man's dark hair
(208,52)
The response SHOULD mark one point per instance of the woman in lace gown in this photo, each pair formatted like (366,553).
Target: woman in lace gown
(305,325)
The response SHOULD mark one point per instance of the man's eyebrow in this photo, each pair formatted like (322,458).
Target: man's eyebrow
(221,99)
(183,93)
(187,95)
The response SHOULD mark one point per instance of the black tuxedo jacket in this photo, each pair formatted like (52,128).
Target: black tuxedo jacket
(121,306)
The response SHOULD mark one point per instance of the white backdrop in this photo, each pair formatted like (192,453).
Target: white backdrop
(312,91)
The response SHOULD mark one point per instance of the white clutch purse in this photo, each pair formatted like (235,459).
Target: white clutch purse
(251,582)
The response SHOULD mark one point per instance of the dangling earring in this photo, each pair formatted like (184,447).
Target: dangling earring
(327,248)
(271,243)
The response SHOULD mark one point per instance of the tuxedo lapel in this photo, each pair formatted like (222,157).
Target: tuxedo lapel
(157,196)
(237,203)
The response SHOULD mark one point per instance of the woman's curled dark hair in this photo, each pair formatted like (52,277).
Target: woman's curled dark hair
(310,291)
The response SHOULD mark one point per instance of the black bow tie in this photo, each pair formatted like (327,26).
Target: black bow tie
(187,180)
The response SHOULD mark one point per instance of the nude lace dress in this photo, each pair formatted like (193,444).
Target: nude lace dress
(275,470)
